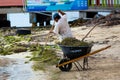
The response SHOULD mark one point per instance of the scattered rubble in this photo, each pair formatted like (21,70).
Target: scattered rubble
(109,20)
(77,22)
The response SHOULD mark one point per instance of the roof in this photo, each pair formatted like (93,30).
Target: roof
(5,3)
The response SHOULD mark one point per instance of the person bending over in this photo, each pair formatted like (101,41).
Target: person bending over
(61,26)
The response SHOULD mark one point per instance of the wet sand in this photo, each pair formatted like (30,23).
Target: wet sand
(13,67)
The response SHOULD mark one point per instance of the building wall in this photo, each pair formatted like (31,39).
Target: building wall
(19,19)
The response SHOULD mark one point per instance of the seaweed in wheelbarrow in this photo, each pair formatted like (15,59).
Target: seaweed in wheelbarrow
(74,48)
(73,42)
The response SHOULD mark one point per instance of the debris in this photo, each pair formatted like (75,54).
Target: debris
(77,22)
(109,20)
(19,49)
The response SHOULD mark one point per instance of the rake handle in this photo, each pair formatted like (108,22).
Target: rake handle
(49,33)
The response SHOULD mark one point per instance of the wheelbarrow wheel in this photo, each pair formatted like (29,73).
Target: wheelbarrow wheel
(66,67)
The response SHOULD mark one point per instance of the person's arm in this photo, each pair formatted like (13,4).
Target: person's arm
(61,12)
(51,30)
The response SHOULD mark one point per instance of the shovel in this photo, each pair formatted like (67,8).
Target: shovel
(89,32)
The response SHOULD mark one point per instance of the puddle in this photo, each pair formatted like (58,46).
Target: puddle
(13,67)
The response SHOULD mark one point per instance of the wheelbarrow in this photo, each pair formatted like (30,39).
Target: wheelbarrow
(73,54)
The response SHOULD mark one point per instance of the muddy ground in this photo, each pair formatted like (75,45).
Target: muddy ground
(104,65)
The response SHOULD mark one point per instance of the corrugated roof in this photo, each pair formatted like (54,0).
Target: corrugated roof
(5,3)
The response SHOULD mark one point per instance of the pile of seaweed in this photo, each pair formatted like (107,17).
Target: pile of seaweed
(42,56)
(73,42)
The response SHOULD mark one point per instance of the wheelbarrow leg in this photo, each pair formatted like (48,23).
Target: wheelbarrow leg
(79,65)
(75,63)
(76,66)
(85,63)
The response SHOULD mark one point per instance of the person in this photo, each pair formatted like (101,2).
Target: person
(61,26)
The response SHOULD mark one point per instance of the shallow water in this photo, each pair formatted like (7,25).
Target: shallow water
(13,67)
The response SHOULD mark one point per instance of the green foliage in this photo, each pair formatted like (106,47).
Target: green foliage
(10,49)
(25,38)
(42,56)
(52,46)
(8,46)
(13,39)
(5,51)
(45,56)
(35,47)
(17,49)
(38,66)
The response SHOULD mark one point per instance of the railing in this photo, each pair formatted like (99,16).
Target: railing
(104,4)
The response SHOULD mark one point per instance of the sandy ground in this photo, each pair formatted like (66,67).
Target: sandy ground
(104,65)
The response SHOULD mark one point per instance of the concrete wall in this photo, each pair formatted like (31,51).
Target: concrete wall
(19,19)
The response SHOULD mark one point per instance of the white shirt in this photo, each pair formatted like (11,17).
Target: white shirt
(62,28)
